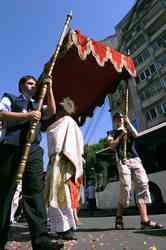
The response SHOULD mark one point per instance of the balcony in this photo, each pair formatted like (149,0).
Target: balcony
(152,99)
(160,119)
(158,33)
(157,23)
(155,11)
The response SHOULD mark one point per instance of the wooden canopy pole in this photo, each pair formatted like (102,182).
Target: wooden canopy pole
(46,73)
(126,104)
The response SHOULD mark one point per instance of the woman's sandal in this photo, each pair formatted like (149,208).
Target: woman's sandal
(151,225)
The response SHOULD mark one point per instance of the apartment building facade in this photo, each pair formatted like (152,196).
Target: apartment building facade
(142,34)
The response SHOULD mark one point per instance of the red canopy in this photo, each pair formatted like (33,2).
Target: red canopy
(87,71)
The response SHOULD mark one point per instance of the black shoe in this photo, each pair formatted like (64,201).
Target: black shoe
(119,223)
(49,246)
(68,235)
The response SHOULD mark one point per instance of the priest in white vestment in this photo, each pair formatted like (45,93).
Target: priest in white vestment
(65,170)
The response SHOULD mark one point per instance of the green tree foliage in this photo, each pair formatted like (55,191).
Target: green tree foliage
(92,165)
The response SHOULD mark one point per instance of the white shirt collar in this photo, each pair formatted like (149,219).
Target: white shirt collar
(25,98)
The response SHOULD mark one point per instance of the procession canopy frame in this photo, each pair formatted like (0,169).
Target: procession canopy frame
(84,70)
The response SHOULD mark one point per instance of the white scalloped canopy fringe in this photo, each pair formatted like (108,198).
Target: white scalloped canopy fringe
(101,53)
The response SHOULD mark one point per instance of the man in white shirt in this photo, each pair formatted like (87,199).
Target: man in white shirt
(16,114)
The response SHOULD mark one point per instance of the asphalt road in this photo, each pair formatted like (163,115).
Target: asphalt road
(97,233)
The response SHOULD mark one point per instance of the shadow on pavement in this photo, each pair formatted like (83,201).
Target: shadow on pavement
(101,229)
(153,232)
(98,212)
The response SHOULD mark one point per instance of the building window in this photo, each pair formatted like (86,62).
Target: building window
(157,86)
(163,83)
(142,57)
(142,76)
(137,43)
(162,42)
(150,90)
(164,107)
(139,59)
(159,43)
(153,114)
(137,80)
(162,60)
(156,25)
(159,109)
(140,40)
(155,47)
(152,68)
(147,92)
(158,65)
(142,96)
(147,73)
(145,54)
(147,116)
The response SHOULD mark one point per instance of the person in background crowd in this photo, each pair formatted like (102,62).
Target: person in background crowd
(91,197)
(15,204)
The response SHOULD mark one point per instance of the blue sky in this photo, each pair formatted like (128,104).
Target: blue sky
(29,33)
